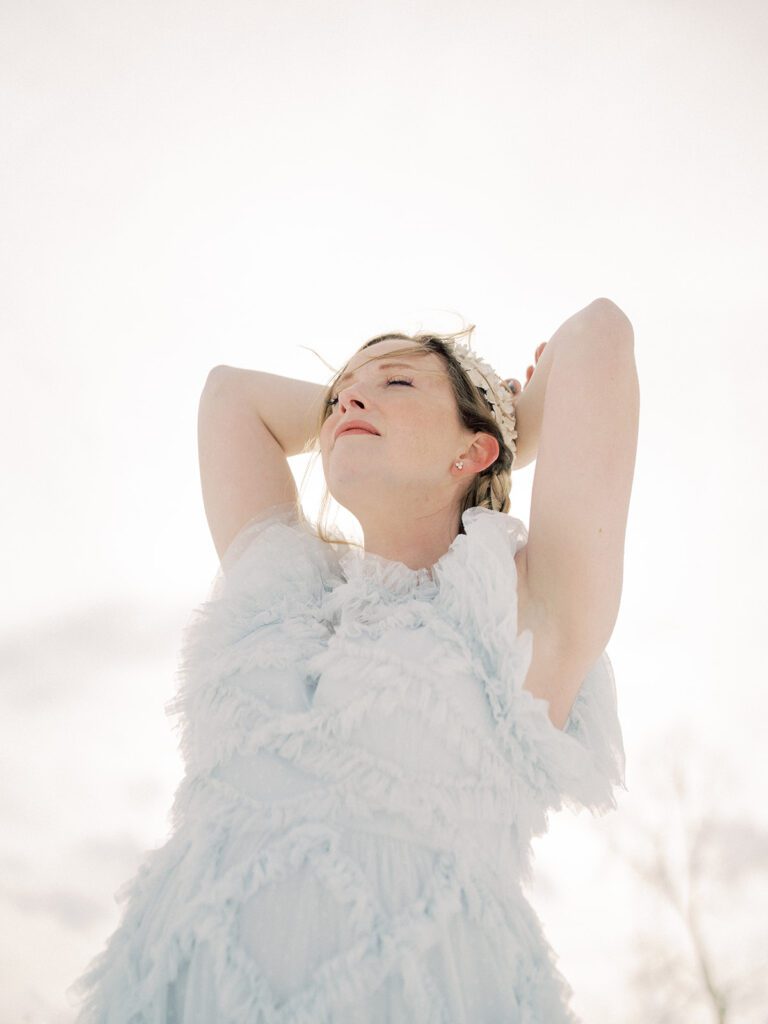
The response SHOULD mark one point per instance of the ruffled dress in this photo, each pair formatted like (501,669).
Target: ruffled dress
(364,773)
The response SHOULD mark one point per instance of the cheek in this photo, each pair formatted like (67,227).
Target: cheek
(428,435)
(326,435)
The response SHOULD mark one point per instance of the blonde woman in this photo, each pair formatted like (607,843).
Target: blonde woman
(373,734)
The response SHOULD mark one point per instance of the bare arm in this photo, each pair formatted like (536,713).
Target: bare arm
(529,404)
(249,422)
(585,463)
(288,407)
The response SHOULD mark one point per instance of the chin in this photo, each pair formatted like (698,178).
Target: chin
(356,491)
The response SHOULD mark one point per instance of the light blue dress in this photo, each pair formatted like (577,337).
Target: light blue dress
(364,772)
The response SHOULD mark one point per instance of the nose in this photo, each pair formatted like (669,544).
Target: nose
(349,396)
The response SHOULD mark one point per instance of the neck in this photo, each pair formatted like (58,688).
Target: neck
(418,541)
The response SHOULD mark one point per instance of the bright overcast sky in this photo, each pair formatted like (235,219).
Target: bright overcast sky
(187,185)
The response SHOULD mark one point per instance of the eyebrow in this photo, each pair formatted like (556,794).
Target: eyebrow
(382,366)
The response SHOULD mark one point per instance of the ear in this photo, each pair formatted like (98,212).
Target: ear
(482,453)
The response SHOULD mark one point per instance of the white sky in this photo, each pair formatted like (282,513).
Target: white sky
(190,184)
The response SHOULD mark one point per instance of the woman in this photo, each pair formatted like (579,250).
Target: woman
(372,736)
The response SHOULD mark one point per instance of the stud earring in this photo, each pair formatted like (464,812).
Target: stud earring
(459,465)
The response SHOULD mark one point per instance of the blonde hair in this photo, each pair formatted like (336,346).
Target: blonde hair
(490,488)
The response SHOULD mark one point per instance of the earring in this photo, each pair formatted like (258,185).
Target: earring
(459,465)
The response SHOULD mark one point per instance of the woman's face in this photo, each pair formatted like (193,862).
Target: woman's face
(406,465)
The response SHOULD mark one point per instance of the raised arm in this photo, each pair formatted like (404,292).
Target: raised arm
(249,422)
(581,415)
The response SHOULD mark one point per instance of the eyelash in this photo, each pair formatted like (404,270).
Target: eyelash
(390,380)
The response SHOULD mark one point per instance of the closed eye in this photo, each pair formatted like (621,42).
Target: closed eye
(390,380)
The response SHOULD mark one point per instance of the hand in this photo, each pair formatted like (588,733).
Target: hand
(528,373)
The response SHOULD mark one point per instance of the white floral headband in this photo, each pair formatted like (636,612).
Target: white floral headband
(497,392)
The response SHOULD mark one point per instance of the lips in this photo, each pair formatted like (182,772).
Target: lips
(356,425)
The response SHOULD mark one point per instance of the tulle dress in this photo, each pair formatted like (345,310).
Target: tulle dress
(364,772)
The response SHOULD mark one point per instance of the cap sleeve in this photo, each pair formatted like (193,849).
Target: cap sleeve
(287,513)
(581,764)
(273,553)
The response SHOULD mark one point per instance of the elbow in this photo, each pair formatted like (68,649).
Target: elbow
(216,375)
(613,317)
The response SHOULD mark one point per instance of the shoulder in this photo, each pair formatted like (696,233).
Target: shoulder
(277,552)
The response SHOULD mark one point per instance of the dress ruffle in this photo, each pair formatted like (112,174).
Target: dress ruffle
(364,771)
(582,763)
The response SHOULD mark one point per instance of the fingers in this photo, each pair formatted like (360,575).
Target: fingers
(515,383)
(537,355)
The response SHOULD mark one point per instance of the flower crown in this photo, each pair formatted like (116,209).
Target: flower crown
(494,389)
